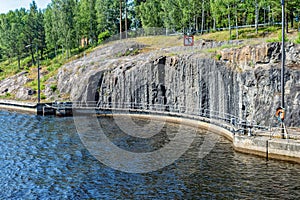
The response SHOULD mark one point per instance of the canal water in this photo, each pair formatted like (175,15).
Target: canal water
(44,158)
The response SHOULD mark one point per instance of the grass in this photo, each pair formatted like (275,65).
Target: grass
(9,68)
(267,34)
(297,40)
(158,42)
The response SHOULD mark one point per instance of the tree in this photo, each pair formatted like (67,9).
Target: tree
(18,34)
(86,20)
(292,7)
(7,34)
(150,13)
(107,14)
(65,11)
(51,21)
(34,30)
(12,34)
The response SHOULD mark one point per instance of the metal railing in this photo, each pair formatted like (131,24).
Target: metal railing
(226,120)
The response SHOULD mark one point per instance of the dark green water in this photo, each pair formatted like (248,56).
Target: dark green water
(44,158)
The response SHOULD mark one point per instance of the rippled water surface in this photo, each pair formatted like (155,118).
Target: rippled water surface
(44,158)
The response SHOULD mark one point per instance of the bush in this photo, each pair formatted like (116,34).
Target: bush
(53,88)
(218,56)
(298,39)
(232,37)
(43,96)
(46,62)
(280,37)
(103,36)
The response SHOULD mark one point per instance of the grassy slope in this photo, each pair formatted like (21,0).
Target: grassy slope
(50,67)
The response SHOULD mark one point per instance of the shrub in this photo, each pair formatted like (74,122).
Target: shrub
(218,56)
(298,39)
(103,36)
(43,96)
(280,37)
(53,87)
(232,37)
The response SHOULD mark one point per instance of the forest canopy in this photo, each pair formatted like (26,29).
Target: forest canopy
(65,24)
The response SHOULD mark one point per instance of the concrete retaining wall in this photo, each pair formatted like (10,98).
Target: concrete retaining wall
(18,106)
(282,149)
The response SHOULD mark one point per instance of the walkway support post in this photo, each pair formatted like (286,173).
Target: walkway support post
(282,61)
(38,76)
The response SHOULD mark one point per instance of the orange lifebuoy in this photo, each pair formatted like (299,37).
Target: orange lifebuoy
(280,113)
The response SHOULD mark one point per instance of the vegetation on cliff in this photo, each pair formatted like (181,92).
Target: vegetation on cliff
(67,26)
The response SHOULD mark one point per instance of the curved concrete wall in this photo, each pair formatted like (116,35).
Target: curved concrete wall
(282,149)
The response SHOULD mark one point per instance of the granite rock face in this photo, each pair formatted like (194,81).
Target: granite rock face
(15,85)
(244,82)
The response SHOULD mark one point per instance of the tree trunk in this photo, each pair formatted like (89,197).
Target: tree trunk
(214,24)
(269,14)
(202,20)
(19,61)
(32,55)
(120,19)
(236,23)
(126,28)
(264,16)
(286,16)
(256,17)
(229,25)
(292,18)
(196,24)
(42,53)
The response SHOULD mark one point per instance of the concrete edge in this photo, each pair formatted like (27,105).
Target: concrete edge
(18,108)
(279,149)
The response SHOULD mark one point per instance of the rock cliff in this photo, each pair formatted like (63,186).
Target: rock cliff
(243,81)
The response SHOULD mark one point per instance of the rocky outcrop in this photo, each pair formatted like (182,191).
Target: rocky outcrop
(16,86)
(245,82)
(249,57)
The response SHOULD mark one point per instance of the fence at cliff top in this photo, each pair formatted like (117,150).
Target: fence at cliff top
(225,120)
(143,32)
(156,31)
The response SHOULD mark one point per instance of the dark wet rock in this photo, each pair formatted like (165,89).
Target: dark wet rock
(245,82)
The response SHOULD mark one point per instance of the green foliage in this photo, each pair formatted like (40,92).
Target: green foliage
(280,37)
(53,88)
(298,39)
(107,14)
(43,96)
(60,27)
(56,32)
(150,13)
(103,36)
(218,56)
(86,20)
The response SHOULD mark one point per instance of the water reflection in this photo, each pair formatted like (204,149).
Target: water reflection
(43,158)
